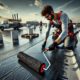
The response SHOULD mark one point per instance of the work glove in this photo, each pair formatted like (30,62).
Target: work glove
(53,46)
(43,46)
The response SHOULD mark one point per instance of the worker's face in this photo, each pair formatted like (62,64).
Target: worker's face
(48,16)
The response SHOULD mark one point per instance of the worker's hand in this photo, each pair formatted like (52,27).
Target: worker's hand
(46,49)
(43,46)
(53,46)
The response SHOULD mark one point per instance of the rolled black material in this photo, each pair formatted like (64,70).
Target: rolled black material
(31,62)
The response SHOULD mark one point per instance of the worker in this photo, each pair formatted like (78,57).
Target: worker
(65,30)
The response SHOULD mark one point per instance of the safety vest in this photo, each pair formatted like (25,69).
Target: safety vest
(70,26)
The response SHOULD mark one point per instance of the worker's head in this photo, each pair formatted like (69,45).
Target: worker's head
(48,12)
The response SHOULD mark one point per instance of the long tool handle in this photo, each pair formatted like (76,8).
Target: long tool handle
(49,64)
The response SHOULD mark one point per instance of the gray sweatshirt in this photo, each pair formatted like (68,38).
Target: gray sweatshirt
(65,20)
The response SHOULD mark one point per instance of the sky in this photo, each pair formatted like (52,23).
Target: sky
(30,10)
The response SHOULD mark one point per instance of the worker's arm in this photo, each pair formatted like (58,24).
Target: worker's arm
(47,34)
(64,20)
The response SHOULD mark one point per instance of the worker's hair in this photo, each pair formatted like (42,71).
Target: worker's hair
(46,10)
